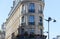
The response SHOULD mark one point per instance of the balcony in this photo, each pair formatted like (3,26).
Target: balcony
(31,23)
(30,36)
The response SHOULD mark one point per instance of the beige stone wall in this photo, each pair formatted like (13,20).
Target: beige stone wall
(12,24)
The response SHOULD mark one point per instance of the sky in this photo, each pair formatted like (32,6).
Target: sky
(5,6)
(51,9)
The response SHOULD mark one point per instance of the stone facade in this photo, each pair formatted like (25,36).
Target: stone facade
(19,22)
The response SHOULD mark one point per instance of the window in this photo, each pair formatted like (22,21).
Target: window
(41,21)
(40,9)
(31,20)
(41,31)
(31,7)
(13,36)
(22,30)
(23,19)
(32,31)
(22,33)
(23,9)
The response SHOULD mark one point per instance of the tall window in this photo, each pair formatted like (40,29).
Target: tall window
(40,9)
(23,19)
(31,7)
(43,0)
(41,31)
(41,21)
(31,20)
(32,31)
(12,37)
(23,9)
(22,31)
(19,30)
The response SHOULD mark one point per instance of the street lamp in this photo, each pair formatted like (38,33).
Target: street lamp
(48,20)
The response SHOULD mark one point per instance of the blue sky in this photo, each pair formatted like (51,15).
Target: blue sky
(51,9)
(5,6)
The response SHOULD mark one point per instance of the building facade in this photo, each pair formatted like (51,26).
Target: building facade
(25,20)
(3,27)
(57,37)
(2,36)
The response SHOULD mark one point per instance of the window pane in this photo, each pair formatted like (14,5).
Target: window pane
(31,18)
(32,31)
(31,7)
(22,19)
(23,9)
